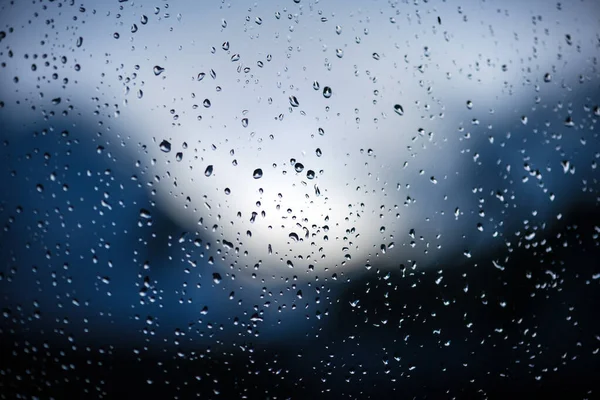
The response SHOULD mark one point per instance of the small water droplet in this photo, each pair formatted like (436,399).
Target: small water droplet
(208,171)
(399,109)
(327,92)
(338,29)
(469,104)
(201,76)
(245,122)
(298,167)
(206,103)
(294,101)
(318,152)
(339,53)
(257,174)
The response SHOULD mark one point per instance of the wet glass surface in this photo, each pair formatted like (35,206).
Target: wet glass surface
(295,199)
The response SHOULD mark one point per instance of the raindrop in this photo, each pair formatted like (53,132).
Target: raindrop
(469,104)
(145,213)
(339,53)
(316,85)
(294,101)
(399,109)
(158,70)
(327,92)
(225,46)
(257,174)
(338,29)
(310,174)
(201,76)
(318,152)
(165,146)
(208,171)
(299,167)
(206,103)
(245,122)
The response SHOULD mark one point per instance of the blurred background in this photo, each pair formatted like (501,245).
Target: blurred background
(284,200)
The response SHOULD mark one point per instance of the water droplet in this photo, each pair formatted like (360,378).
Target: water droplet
(201,76)
(469,104)
(145,213)
(206,103)
(293,236)
(227,191)
(179,156)
(208,171)
(339,53)
(257,174)
(294,101)
(327,92)
(79,41)
(165,146)
(235,57)
(245,122)
(299,167)
(216,278)
(144,20)
(399,109)
(316,85)
(258,20)
(158,70)
(318,152)
(547,77)
(338,29)
(310,174)
(376,56)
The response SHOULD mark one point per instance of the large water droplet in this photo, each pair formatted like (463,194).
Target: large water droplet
(327,92)
(208,171)
(257,174)
(158,70)
(165,146)
(399,109)
(294,101)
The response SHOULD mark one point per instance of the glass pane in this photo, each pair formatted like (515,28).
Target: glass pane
(295,199)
